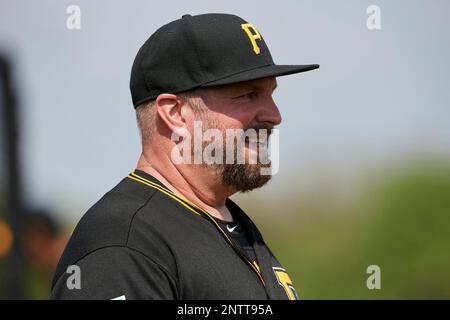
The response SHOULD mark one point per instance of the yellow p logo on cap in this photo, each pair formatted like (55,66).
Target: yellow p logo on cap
(253,35)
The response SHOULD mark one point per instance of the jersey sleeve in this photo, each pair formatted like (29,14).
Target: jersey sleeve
(115,273)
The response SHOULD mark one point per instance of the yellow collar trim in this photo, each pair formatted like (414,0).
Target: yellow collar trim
(193,208)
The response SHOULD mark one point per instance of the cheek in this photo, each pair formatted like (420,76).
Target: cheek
(232,115)
(234,120)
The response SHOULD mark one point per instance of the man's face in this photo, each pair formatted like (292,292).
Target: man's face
(246,105)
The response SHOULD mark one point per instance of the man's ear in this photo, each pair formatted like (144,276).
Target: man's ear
(169,108)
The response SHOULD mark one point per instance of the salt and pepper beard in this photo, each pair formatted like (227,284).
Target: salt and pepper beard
(241,177)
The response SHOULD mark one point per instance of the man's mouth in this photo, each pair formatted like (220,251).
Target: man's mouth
(259,139)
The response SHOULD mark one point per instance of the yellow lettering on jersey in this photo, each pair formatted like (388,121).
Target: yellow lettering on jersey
(285,281)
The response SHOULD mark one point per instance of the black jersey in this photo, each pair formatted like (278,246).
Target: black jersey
(239,235)
(142,241)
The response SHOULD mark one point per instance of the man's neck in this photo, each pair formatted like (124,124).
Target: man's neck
(202,191)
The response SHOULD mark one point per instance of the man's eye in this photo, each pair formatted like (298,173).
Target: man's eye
(250,95)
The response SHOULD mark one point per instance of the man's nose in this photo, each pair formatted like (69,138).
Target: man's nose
(269,113)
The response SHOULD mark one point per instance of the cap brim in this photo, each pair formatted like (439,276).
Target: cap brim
(262,72)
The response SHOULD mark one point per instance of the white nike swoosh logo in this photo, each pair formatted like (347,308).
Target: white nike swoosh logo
(231,229)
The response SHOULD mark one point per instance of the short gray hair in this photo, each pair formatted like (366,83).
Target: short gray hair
(146,115)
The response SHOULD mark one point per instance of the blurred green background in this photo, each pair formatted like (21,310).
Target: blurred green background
(399,220)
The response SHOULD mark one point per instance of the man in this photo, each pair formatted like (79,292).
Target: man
(169,229)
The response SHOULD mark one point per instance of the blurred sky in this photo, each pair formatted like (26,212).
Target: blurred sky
(378,96)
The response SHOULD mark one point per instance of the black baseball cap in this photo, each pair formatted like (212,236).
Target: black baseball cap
(202,51)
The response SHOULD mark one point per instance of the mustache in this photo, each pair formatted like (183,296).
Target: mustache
(269,128)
